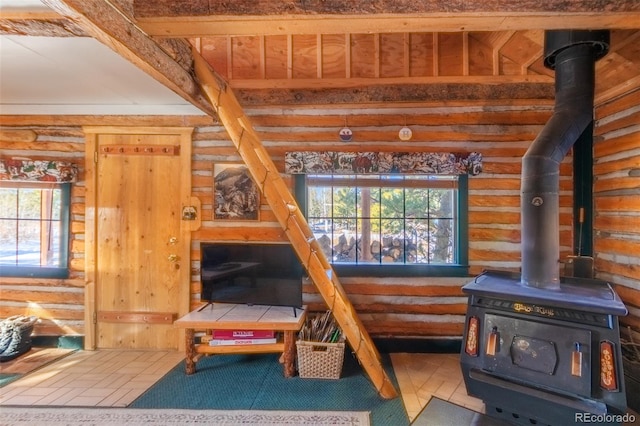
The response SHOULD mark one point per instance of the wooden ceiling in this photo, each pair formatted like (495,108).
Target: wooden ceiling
(328,51)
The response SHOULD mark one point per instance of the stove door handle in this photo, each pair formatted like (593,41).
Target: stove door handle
(493,342)
(576,360)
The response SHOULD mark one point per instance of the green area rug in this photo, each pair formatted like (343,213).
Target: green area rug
(5,379)
(256,382)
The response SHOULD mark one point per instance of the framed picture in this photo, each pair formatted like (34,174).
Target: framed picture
(235,194)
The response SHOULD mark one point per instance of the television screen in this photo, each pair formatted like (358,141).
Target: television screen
(255,274)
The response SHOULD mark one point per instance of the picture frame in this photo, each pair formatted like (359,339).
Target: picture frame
(235,194)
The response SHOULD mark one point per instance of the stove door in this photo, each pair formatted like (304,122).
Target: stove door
(537,353)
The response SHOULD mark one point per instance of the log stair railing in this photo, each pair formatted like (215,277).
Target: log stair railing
(287,211)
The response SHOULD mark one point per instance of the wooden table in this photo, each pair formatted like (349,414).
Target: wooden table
(227,316)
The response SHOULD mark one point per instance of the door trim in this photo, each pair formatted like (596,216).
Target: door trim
(92,134)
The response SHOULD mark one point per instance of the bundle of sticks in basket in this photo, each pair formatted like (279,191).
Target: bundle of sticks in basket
(321,328)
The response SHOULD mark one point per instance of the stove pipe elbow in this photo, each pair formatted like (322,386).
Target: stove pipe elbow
(573,55)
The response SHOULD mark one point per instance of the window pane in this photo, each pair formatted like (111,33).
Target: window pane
(8,233)
(392,241)
(441,241)
(320,226)
(324,241)
(8,203)
(56,200)
(375,208)
(344,202)
(344,249)
(441,203)
(368,202)
(53,250)
(28,242)
(319,202)
(369,247)
(417,203)
(29,203)
(392,202)
(418,236)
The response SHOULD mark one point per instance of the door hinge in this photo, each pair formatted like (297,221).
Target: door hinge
(95,157)
(95,317)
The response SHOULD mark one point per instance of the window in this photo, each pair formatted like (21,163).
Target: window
(34,229)
(389,224)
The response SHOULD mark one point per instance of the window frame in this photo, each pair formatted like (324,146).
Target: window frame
(459,269)
(62,270)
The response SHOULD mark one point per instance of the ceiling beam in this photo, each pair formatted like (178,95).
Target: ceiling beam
(109,25)
(441,92)
(168,18)
(39,24)
(154,8)
(238,25)
(361,82)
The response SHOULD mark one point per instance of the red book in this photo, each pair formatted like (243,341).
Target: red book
(233,342)
(243,334)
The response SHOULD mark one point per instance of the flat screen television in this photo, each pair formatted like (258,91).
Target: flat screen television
(254,274)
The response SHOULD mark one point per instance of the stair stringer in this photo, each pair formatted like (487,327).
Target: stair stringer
(293,222)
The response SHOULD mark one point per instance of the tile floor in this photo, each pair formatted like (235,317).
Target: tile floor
(115,378)
(423,375)
(105,378)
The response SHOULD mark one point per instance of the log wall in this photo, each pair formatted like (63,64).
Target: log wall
(59,303)
(617,199)
(390,306)
(393,306)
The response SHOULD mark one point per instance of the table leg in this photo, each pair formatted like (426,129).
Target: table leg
(190,350)
(289,354)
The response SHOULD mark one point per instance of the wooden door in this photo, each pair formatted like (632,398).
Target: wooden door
(137,264)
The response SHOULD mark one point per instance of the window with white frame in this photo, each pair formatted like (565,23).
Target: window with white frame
(415,224)
(34,229)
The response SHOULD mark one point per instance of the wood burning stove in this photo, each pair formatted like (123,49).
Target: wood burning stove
(536,356)
(539,348)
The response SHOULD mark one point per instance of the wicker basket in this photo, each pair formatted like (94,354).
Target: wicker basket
(317,360)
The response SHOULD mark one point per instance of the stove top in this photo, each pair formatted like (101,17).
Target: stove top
(593,295)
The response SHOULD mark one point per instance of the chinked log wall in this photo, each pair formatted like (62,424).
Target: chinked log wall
(59,303)
(617,199)
(393,306)
(390,306)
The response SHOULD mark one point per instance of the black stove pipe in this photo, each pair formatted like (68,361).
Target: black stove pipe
(573,55)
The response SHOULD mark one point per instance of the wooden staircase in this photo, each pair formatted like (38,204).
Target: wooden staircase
(292,220)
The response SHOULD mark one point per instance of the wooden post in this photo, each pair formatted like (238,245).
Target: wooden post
(293,222)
